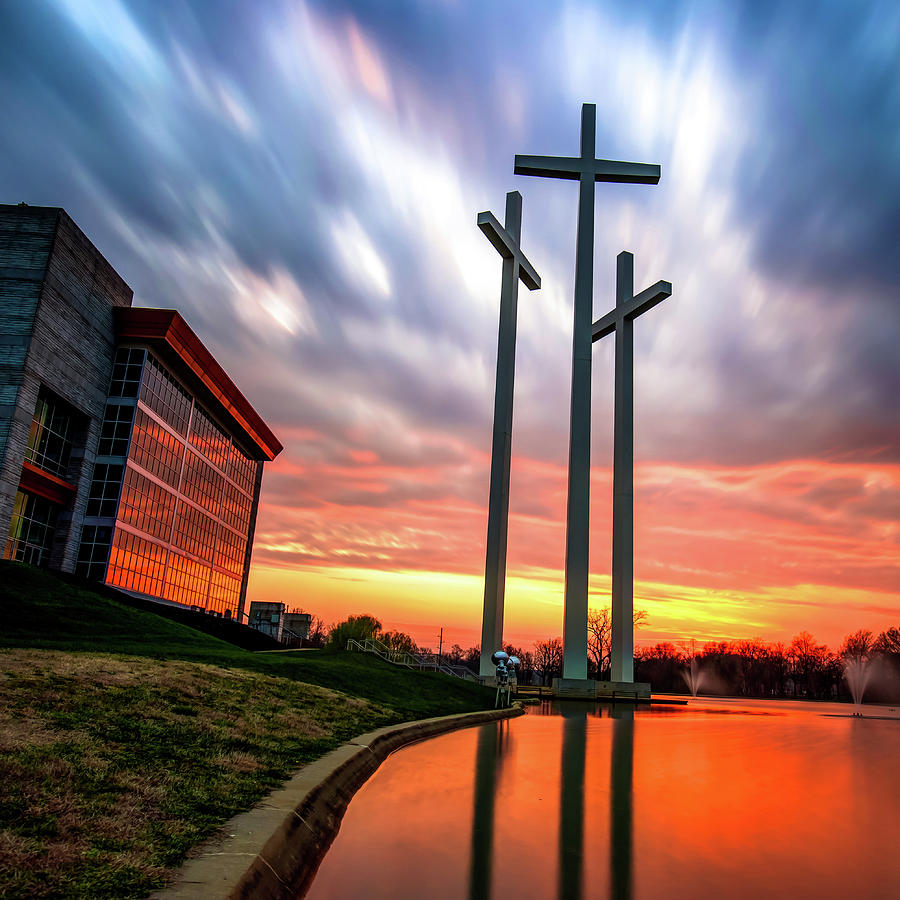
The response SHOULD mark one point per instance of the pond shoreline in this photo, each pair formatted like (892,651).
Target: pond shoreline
(274,850)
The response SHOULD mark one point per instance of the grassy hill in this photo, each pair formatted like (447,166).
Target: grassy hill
(127,738)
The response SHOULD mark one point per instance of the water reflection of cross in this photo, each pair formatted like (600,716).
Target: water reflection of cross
(516,267)
(587,170)
(621,320)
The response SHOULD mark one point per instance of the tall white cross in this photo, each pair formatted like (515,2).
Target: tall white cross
(515,267)
(620,319)
(586,170)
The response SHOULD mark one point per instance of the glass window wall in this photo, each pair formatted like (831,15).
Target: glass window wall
(186,488)
(104,494)
(165,396)
(136,564)
(230,549)
(224,593)
(236,508)
(146,505)
(242,470)
(187,580)
(155,449)
(93,552)
(126,376)
(202,483)
(30,529)
(195,532)
(50,436)
(115,430)
(208,439)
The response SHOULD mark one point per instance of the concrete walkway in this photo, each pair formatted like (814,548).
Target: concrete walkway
(274,850)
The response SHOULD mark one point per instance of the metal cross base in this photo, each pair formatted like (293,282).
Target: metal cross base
(589,689)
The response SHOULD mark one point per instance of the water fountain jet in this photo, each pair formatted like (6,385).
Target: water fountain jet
(693,677)
(858,671)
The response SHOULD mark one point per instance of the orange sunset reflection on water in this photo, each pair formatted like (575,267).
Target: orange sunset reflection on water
(719,798)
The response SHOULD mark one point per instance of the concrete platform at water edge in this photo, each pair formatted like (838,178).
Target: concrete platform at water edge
(588,689)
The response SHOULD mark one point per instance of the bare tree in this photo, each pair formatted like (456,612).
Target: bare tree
(857,646)
(809,662)
(599,639)
(888,641)
(548,657)
(472,658)
(599,636)
(399,641)
(454,655)
(318,631)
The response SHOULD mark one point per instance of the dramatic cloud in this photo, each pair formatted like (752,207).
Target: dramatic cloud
(301,180)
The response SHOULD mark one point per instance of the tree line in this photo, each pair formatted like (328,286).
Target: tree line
(745,668)
(756,668)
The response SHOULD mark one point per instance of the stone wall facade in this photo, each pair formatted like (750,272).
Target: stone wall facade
(57,293)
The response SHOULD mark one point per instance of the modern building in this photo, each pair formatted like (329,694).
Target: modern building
(297,625)
(127,454)
(271,617)
(267,616)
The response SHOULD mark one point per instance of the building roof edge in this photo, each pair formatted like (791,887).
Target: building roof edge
(167,330)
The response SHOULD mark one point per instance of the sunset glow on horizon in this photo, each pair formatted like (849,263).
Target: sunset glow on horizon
(301,181)
(722,553)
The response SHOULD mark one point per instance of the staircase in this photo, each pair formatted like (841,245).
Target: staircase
(429,661)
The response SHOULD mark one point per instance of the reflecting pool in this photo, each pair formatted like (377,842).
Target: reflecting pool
(719,798)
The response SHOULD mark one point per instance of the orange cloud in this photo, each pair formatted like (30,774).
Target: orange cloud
(721,552)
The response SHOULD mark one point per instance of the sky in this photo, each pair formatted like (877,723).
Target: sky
(302,180)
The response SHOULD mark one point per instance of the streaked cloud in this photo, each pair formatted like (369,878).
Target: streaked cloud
(301,179)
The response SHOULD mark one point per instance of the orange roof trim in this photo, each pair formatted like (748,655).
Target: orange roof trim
(45,484)
(167,331)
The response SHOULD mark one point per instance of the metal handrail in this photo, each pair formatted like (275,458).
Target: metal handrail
(430,661)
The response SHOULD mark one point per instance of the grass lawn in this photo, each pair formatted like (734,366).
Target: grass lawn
(126,739)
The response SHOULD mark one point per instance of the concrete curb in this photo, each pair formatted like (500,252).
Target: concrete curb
(272,852)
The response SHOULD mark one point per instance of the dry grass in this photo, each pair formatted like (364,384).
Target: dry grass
(112,768)
(126,738)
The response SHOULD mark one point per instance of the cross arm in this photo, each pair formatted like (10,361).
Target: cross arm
(548,166)
(632,308)
(508,249)
(626,172)
(571,167)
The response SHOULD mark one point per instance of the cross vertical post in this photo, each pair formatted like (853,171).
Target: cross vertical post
(515,267)
(622,653)
(586,169)
(621,320)
(578,503)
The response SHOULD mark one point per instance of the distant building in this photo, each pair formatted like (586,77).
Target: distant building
(297,625)
(267,617)
(272,618)
(126,453)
